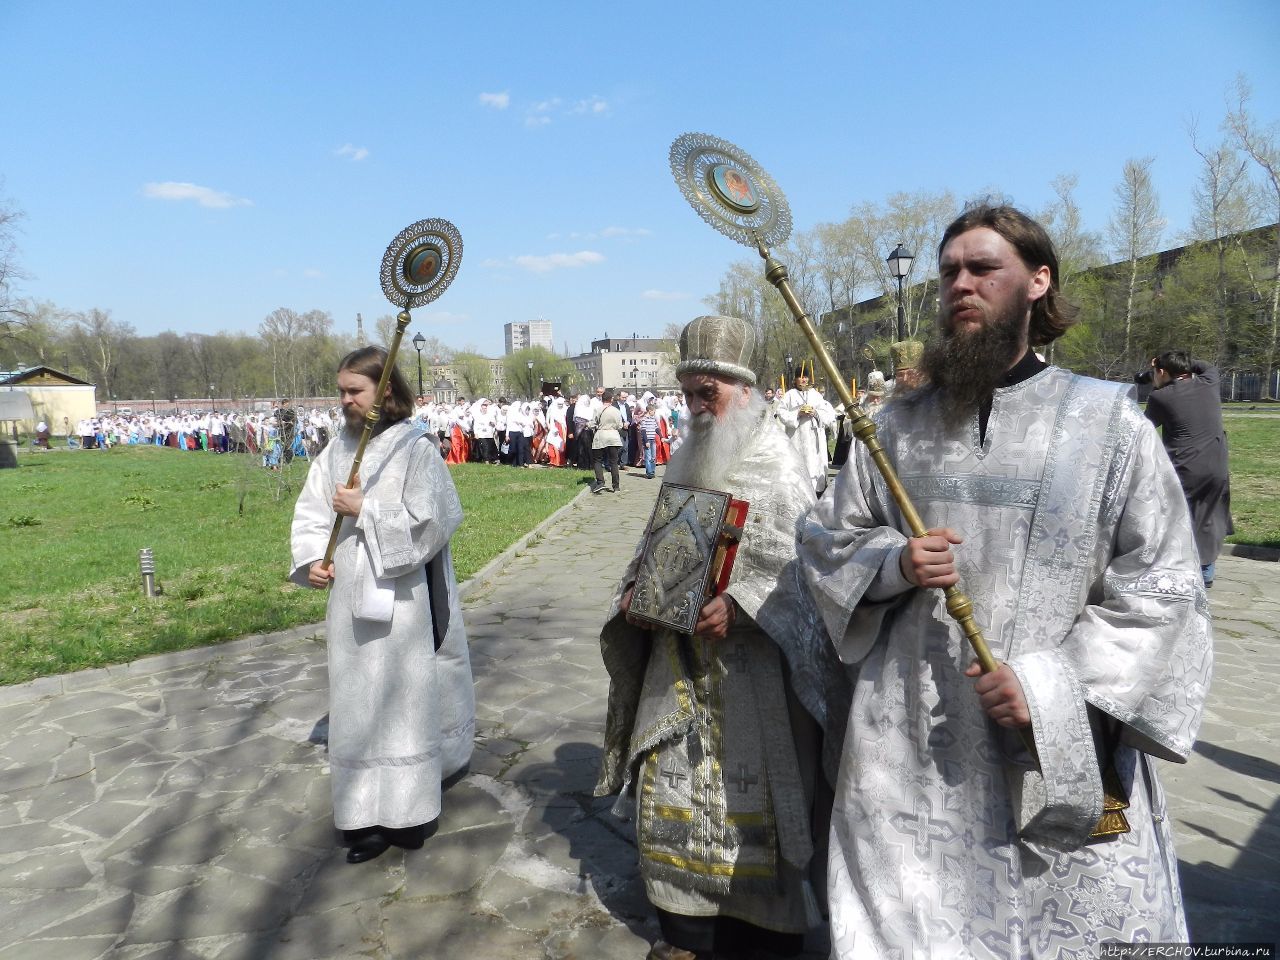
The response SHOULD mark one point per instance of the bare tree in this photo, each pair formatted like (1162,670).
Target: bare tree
(101,341)
(12,312)
(1078,249)
(1135,230)
(1222,207)
(1263,147)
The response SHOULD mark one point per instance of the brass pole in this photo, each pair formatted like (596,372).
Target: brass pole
(370,421)
(959,606)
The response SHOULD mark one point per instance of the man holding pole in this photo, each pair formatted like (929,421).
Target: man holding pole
(1050,497)
(402,709)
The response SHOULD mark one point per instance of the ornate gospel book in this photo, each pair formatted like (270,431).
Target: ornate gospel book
(688,554)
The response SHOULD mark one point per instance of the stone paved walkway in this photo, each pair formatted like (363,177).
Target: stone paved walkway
(179,807)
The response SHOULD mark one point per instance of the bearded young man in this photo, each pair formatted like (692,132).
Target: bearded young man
(401,704)
(1049,496)
(715,739)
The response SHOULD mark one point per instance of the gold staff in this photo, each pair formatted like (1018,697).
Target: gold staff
(732,193)
(419,264)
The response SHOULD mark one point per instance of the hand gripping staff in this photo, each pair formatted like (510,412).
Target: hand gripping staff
(419,265)
(731,192)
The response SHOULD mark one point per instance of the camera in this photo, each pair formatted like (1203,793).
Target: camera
(1144,376)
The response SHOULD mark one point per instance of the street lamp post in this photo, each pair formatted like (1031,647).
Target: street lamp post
(899,266)
(153,403)
(787,372)
(418,342)
(213,403)
(529,364)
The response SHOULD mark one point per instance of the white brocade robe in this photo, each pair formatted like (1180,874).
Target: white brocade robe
(401,712)
(1079,560)
(808,434)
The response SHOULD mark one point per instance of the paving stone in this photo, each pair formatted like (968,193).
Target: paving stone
(337,883)
(137,781)
(179,809)
(24,916)
(62,870)
(20,781)
(80,948)
(106,719)
(110,755)
(348,932)
(453,863)
(100,919)
(34,836)
(36,748)
(467,806)
(221,903)
(146,879)
(598,938)
(415,930)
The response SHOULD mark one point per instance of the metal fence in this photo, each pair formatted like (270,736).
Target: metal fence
(1248,385)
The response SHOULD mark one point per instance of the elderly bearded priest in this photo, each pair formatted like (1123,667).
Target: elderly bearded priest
(719,735)
(401,706)
(1049,496)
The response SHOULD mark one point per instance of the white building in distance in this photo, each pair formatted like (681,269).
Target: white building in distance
(518,336)
(634,364)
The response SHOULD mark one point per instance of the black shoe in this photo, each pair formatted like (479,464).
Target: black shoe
(597,488)
(407,838)
(369,847)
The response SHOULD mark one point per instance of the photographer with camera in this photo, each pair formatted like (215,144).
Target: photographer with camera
(1187,408)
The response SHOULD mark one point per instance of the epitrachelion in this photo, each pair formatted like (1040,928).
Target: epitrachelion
(688,553)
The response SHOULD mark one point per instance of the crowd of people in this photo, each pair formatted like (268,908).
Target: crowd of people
(277,437)
(554,430)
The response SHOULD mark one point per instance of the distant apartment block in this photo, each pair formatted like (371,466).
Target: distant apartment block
(635,364)
(519,336)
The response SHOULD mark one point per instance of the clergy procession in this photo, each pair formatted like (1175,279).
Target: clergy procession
(808,745)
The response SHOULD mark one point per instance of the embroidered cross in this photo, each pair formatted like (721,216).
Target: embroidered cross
(743,779)
(675,778)
(922,828)
(739,660)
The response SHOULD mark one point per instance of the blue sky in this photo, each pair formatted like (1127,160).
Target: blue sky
(195,166)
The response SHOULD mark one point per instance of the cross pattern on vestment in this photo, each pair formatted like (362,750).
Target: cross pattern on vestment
(675,778)
(922,829)
(1008,943)
(743,778)
(1049,924)
(738,660)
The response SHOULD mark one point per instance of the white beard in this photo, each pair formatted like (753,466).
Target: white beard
(710,447)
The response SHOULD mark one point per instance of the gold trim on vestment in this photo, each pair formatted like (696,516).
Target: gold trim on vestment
(711,869)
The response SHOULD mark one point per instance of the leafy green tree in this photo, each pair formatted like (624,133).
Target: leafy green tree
(526,380)
(474,373)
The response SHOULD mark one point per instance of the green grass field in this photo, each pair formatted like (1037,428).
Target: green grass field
(1254,445)
(72,522)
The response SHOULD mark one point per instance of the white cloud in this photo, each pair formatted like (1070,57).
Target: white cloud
(350,150)
(556,261)
(492,262)
(593,105)
(312,273)
(613,232)
(664,295)
(539,115)
(499,101)
(205,196)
